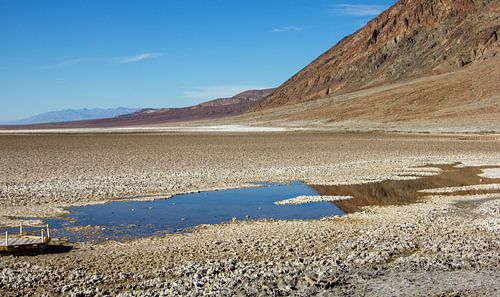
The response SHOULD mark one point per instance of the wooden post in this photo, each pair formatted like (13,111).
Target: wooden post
(21,228)
(48,231)
(6,238)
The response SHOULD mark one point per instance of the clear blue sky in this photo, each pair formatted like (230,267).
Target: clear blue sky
(109,53)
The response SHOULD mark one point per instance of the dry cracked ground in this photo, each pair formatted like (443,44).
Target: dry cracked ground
(445,246)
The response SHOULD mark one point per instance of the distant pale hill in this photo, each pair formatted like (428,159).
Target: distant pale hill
(68,115)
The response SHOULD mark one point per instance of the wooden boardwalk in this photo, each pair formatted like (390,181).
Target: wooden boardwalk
(21,241)
(17,241)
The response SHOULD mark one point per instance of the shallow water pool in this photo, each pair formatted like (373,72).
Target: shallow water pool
(132,219)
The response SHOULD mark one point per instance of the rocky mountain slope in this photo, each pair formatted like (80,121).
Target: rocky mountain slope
(412,39)
(466,100)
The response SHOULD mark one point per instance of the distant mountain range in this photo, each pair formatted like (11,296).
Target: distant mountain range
(218,108)
(68,115)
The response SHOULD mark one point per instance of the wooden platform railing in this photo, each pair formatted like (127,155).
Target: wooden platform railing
(25,241)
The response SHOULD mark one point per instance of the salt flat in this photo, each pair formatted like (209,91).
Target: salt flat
(447,239)
(491,172)
(155,129)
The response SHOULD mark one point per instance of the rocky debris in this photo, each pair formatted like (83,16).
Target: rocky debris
(490,213)
(311,199)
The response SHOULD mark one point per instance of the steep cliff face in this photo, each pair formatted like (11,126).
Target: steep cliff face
(413,38)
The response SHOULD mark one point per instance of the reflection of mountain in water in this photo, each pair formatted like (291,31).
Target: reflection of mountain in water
(394,192)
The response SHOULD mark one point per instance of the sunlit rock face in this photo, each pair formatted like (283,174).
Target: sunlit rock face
(410,39)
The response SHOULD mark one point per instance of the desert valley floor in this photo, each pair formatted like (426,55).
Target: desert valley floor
(445,245)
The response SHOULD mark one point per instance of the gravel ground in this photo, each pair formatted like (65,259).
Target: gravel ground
(447,246)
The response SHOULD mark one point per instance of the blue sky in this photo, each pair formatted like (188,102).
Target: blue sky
(172,53)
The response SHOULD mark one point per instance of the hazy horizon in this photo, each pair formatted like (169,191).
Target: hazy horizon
(71,55)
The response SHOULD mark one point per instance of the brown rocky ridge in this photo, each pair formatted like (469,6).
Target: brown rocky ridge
(412,39)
